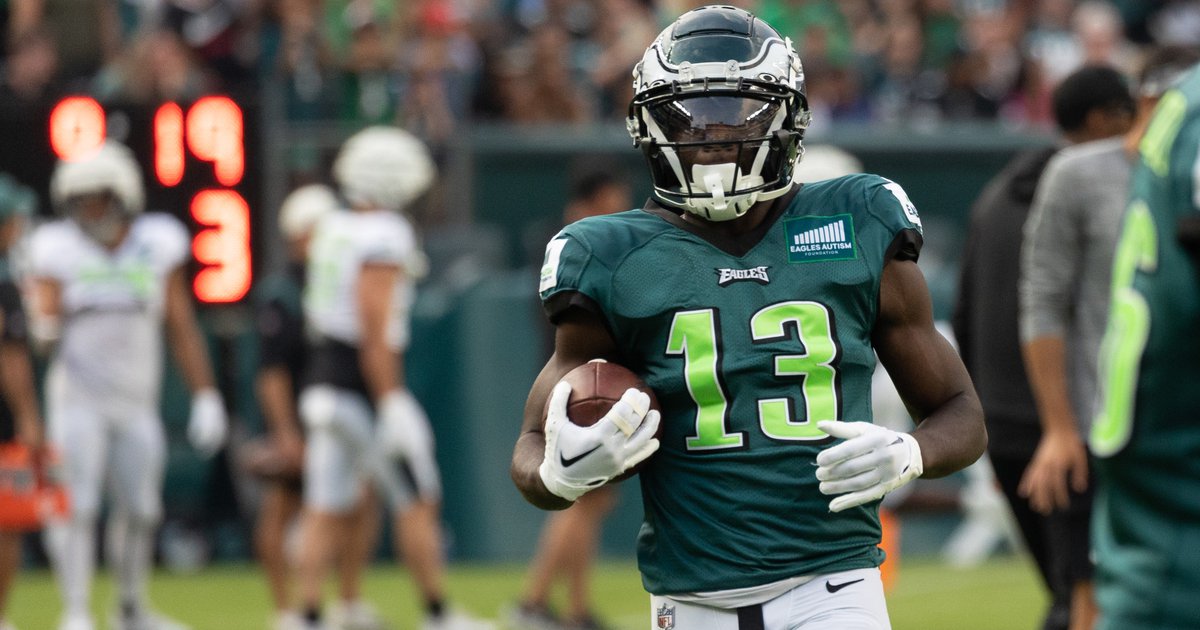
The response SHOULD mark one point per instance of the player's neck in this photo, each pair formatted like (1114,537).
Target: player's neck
(118,239)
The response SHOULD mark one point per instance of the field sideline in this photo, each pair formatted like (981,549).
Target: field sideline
(999,595)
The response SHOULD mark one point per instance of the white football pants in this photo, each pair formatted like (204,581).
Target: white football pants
(342,452)
(848,600)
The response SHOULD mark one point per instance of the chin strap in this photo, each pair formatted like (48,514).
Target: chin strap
(716,179)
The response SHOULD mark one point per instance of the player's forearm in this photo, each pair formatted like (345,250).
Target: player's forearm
(274,387)
(184,337)
(953,436)
(45,315)
(187,345)
(17,375)
(527,458)
(1045,362)
(380,367)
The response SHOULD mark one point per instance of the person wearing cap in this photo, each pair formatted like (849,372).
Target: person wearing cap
(20,420)
(1066,271)
(278,460)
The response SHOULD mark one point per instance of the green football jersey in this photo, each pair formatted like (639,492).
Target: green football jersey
(748,343)
(1146,529)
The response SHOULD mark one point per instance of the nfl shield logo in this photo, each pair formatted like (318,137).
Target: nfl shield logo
(666,617)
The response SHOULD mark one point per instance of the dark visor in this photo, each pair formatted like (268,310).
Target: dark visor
(714,118)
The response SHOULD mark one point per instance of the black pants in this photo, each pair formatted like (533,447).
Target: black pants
(1059,542)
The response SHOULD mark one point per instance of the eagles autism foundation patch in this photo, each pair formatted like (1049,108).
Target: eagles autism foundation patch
(819,239)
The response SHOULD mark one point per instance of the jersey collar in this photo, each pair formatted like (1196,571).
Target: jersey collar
(737,245)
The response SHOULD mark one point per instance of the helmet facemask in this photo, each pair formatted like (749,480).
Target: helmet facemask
(719,112)
(721,151)
(100,191)
(101,215)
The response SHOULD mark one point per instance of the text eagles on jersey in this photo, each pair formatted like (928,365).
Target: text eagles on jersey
(754,274)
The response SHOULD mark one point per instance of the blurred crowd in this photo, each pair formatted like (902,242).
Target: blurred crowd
(432,65)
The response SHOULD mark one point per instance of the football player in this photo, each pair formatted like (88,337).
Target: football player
(109,280)
(1145,438)
(754,307)
(362,421)
(19,415)
(280,461)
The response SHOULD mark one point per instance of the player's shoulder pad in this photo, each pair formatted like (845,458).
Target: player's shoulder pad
(53,231)
(887,201)
(165,234)
(50,245)
(583,248)
(383,236)
(612,236)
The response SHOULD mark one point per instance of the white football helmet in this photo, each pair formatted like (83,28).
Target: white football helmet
(303,208)
(384,167)
(110,168)
(719,110)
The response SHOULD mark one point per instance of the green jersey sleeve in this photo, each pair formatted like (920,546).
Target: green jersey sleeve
(890,205)
(572,275)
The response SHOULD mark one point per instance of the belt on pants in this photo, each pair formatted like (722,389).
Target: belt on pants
(751,617)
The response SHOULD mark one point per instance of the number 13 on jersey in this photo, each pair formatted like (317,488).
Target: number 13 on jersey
(695,337)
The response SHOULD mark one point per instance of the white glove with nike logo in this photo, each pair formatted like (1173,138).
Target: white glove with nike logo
(872,462)
(579,459)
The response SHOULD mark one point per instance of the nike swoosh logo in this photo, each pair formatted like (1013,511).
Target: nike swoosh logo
(833,588)
(567,462)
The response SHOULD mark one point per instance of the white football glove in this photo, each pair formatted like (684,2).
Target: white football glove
(579,459)
(872,462)
(403,427)
(208,424)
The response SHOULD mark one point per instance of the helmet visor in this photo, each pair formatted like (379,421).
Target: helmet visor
(714,119)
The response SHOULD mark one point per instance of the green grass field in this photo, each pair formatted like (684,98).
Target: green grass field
(1000,595)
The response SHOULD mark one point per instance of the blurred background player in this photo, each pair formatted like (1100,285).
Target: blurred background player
(362,420)
(1066,272)
(569,540)
(1145,439)
(109,280)
(280,461)
(1090,104)
(20,419)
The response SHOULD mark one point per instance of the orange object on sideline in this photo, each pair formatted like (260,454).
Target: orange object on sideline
(30,490)
(891,546)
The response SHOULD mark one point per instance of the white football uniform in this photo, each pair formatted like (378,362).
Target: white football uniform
(343,449)
(342,243)
(102,390)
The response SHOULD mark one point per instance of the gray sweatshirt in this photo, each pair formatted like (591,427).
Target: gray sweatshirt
(1066,258)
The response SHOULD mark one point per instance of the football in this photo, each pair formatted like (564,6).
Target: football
(595,387)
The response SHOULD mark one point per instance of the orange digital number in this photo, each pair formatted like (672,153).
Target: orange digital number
(168,144)
(76,127)
(223,246)
(214,133)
